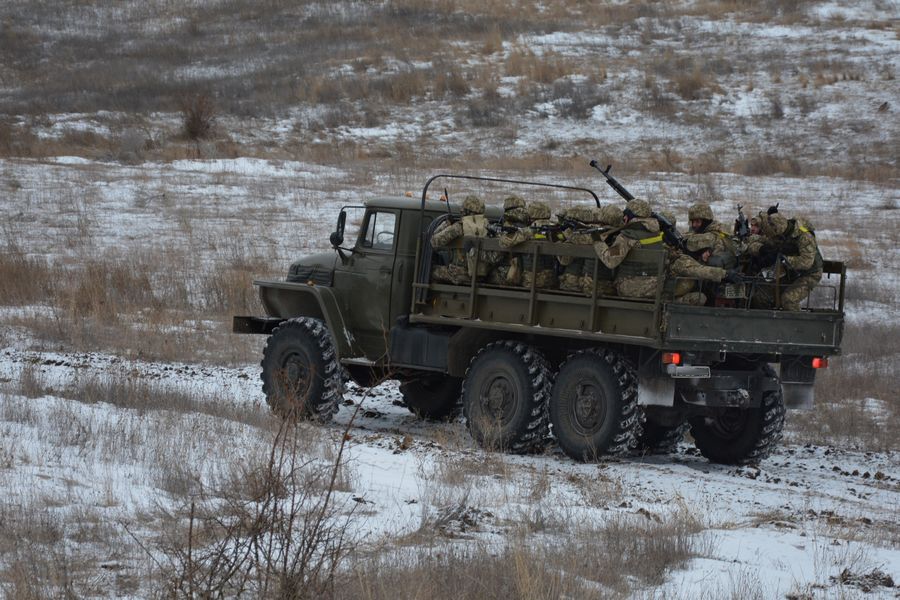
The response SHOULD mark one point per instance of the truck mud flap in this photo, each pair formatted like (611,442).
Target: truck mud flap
(797,382)
(656,391)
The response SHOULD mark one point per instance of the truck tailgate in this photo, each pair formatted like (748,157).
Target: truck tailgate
(763,331)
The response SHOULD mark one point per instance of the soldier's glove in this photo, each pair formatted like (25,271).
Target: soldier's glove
(767,254)
(773,209)
(733,276)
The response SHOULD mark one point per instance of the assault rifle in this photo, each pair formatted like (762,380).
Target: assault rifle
(741,224)
(581,227)
(671,235)
(620,189)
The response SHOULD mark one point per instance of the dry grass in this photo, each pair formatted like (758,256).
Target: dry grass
(856,401)
(609,562)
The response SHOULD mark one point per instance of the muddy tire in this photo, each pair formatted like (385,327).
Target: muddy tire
(434,397)
(300,373)
(504,397)
(593,406)
(741,436)
(660,439)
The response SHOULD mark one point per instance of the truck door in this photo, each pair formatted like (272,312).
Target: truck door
(367,278)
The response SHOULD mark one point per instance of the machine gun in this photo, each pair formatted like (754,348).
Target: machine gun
(741,224)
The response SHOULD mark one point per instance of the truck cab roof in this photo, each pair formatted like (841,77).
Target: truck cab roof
(491,212)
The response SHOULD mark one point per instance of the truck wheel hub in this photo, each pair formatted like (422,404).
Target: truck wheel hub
(589,409)
(295,369)
(498,397)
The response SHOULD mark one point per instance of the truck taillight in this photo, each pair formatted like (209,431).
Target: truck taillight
(671,358)
(819,363)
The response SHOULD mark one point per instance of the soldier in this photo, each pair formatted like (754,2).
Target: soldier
(571,279)
(640,230)
(612,219)
(462,262)
(792,243)
(681,265)
(545,273)
(702,222)
(508,269)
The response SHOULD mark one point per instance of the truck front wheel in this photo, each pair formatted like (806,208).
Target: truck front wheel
(741,436)
(593,407)
(300,372)
(505,396)
(434,397)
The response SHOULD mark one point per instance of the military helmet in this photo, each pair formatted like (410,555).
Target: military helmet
(473,205)
(765,227)
(701,211)
(538,210)
(511,202)
(698,242)
(639,208)
(611,215)
(778,224)
(580,213)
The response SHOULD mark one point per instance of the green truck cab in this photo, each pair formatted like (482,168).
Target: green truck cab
(600,375)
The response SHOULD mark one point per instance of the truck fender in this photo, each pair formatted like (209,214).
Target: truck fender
(286,300)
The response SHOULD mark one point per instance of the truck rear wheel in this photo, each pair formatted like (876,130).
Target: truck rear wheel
(593,407)
(741,436)
(505,396)
(300,373)
(434,397)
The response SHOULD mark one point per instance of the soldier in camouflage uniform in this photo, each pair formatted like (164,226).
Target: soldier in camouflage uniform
(462,262)
(792,242)
(612,219)
(686,291)
(545,273)
(571,278)
(702,223)
(640,230)
(508,269)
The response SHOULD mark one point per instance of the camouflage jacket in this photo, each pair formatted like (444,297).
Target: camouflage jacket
(683,265)
(638,232)
(798,245)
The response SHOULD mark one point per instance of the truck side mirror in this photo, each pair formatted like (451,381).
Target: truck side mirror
(337,237)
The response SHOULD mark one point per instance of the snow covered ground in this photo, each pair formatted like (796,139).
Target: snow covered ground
(791,525)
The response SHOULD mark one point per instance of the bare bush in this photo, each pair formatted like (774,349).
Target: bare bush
(282,532)
(198,113)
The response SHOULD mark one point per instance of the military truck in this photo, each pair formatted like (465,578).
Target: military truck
(599,375)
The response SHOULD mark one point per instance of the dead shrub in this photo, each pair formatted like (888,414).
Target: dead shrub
(26,280)
(692,84)
(286,538)
(544,68)
(198,113)
(766,163)
(450,82)
(488,110)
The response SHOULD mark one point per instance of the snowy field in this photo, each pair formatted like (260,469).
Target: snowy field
(135,443)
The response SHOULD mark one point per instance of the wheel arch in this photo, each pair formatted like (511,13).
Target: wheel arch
(287,300)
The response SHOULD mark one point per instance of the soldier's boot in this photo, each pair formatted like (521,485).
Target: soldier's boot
(569,282)
(692,298)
